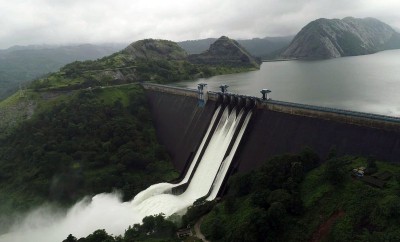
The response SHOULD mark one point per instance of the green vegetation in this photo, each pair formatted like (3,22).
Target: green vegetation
(153,229)
(157,61)
(18,65)
(293,198)
(82,143)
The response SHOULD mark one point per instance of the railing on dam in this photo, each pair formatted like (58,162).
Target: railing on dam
(171,89)
(347,116)
(336,111)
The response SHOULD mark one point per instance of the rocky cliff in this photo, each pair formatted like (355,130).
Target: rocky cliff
(330,38)
(226,52)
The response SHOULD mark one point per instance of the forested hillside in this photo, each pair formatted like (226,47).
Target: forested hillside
(160,61)
(296,198)
(81,143)
(21,64)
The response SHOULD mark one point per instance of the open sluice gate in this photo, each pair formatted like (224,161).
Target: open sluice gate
(209,166)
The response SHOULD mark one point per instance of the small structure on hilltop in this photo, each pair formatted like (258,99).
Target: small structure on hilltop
(377,180)
(359,172)
(186,232)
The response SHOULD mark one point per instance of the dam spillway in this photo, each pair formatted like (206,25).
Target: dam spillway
(208,169)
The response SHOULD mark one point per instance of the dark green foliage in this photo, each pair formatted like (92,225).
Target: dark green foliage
(153,228)
(241,184)
(286,203)
(335,171)
(157,226)
(195,212)
(309,159)
(97,236)
(261,204)
(92,143)
(276,215)
(70,238)
(371,166)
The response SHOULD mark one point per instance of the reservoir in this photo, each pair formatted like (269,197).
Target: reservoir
(369,83)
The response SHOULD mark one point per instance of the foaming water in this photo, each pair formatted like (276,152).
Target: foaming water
(104,211)
(227,161)
(107,211)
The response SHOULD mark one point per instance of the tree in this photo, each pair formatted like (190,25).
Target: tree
(99,236)
(70,238)
(241,185)
(371,166)
(335,171)
(297,172)
(309,159)
(277,216)
(217,229)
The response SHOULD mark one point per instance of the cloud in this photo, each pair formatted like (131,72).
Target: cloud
(74,21)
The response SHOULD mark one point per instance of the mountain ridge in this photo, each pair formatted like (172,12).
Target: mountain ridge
(258,47)
(330,38)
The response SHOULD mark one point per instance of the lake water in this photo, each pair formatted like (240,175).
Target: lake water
(369,83)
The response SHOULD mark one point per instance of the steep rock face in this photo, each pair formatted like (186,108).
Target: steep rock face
(226,52)
(330,38)
(155,49)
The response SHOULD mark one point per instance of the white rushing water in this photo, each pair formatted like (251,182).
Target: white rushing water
(227,162)
(106,211)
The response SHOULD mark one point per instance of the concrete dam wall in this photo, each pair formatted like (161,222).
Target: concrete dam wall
(276,128)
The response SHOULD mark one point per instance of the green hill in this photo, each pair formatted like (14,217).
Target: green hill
(21,64)
(158,61)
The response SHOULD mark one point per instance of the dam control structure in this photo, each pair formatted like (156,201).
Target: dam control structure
(275,128)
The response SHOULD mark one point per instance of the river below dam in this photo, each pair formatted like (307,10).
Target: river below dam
(369,83)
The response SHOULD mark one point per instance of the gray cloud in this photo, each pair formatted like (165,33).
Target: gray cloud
(74,21)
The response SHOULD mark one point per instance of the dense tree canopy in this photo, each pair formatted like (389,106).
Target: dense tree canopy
(87,143)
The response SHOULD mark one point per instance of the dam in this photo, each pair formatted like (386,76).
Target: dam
(276,128)
(209,165)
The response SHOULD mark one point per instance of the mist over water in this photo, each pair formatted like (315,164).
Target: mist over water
(107,211)
(103,211)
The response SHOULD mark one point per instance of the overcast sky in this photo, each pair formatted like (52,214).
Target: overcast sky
(24,22)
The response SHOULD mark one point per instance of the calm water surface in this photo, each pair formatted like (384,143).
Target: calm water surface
(369,83)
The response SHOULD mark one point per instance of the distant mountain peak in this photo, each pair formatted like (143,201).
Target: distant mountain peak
(225,51)
(330,38)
